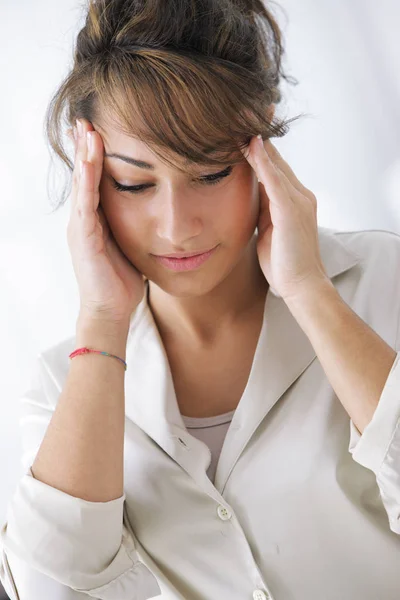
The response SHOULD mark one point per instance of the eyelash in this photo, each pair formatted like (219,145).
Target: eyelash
(208,180)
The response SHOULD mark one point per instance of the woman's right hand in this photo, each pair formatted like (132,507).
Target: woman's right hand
(110,287)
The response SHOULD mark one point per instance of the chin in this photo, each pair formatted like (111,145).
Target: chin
(201,281)
(190,284)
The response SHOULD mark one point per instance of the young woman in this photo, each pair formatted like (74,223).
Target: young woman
(225,422)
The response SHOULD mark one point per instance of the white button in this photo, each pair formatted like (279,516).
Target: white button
(223,513)
(260,595)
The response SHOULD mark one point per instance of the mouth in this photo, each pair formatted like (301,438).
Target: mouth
(187,263)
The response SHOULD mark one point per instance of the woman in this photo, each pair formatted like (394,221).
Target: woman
(253,448)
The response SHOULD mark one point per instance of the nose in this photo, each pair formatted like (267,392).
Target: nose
(178,219)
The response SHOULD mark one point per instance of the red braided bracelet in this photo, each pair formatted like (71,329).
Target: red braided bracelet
(90,350)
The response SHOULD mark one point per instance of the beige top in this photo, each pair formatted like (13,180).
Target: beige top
(302,505)
(211,431)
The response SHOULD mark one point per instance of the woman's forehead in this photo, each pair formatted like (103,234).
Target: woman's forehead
(117,142)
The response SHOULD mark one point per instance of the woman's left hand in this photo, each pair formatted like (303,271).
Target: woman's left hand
(288,246)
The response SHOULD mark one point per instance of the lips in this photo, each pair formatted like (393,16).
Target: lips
(186,255)
(185,264)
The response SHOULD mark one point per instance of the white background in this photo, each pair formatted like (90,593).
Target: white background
(345,54)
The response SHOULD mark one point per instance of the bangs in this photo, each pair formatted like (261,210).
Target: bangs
(183,105)
(194,80)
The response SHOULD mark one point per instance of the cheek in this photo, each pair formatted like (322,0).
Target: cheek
(127,229)
(120,219)
(244,204)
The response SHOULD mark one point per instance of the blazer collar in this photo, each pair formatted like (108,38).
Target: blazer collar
(282,355)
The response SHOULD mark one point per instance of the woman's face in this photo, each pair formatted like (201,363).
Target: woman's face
(177,212)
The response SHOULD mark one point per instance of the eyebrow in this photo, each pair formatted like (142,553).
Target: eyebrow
(131,161)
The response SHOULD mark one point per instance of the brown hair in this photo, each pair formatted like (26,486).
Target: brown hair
(192,77)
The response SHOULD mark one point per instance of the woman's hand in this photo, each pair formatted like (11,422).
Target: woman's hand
(288,246)
(110,286)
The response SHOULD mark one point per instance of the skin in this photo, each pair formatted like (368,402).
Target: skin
(356,360)
(180,214)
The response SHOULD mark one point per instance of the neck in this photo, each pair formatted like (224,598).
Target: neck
(202,319)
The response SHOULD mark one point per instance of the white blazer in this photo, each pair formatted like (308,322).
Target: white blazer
(303,507)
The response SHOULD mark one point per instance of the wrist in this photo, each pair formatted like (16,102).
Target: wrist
(99,334)
(309,298)
(96,319)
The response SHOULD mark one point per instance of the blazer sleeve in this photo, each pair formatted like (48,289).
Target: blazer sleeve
(59,546)
(378,448)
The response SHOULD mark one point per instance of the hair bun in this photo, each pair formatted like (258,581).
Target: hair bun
(194,79)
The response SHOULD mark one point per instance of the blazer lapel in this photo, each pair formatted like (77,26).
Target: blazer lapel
(282,355)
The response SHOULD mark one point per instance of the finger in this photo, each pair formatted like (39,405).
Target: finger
(80,156)
(90,176)
(291,190)
(96,157)
(276,158)
(82,149)
(85,195)
(269,175)
(73,135)
(264,215)
(104,223)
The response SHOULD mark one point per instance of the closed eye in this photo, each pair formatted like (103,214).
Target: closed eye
(206,180)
